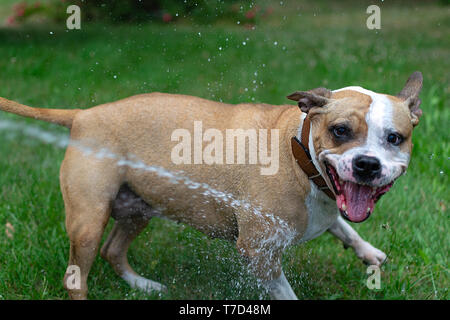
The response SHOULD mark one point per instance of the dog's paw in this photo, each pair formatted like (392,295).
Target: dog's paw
(144,284)
(369,254)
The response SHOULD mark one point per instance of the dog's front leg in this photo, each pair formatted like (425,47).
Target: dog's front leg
(280,289)
(265,263)
(363,249)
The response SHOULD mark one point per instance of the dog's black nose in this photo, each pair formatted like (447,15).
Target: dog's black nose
(366,168)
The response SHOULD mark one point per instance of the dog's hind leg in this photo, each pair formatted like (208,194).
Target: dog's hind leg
(132,215)
(88,186)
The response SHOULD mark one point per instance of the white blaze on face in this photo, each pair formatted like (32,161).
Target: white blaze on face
(380,123)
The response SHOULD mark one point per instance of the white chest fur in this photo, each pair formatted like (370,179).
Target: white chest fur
(322,213)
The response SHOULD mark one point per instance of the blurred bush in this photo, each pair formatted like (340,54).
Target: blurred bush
(23,11)
(132,11)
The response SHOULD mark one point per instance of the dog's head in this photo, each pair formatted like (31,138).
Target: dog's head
(361,140)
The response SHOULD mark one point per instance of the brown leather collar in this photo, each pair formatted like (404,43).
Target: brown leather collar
(302,156)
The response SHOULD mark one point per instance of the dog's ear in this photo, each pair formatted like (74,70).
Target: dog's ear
(309,99)
(410,93)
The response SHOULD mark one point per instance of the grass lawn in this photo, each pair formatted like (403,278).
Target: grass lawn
(299,47)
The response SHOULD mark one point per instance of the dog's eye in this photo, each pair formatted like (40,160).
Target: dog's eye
(394,139)
(341,132)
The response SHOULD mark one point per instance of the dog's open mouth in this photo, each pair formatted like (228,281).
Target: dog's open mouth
(355,201)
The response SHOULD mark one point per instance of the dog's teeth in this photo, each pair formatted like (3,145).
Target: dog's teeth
(344,207)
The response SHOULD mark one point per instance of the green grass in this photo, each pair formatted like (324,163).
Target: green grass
(312,46)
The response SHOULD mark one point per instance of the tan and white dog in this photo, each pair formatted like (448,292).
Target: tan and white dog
(359,141)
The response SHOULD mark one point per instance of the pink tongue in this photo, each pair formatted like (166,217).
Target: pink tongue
(358,198)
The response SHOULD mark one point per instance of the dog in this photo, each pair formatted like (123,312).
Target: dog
(339,152)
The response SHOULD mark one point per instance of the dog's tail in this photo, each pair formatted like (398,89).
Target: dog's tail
(58,116)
